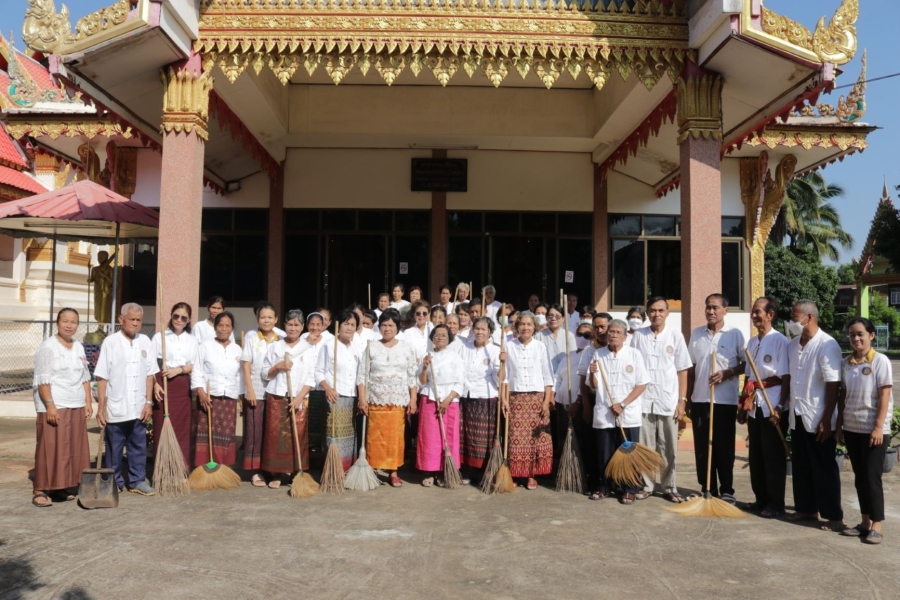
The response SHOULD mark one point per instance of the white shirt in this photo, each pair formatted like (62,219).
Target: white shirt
(281,333)
(125,365)
(180,349)
(528,367)
(574,321)
(861,381)
(418,339)
(220,367)
(729,344)
(464,333)
(347,368)
(254,352)
(556,346)
(664,354)
(811,367)
(449,373)
(482,370)
(303,359)
(203,331)
(771,359)
(458,344)
(563,386)
(624,371)
(492,310)
(65,370)
(400,305)
(585,358)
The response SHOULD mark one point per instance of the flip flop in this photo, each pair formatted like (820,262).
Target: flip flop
(274,484)
(34,501)
(427,482)
(532,484)
(257,481)
(598,495)
(395,481)
(642,495)
(673,497)
(627,499)
(835,526)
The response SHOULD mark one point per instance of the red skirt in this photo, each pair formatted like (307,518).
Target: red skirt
(254,429)
(180,413)
(62,451)
(479,422)
(530,443)
(278,454)
(224,411)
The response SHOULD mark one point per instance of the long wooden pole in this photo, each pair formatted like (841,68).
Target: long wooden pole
(712,404)
(787,450)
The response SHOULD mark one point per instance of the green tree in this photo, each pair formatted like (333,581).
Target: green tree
(809,220)
(847,273)
(796,274)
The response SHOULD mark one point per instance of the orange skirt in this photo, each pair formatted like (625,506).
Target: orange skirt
(385,444)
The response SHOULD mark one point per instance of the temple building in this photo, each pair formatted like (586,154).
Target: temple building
(305,151)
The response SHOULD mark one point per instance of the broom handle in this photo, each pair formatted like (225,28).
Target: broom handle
(101,446)
(370,296)
(502,374)
(568,363)
(209,415)
(506,433)
(712,404)
(609,393)
(290,391)
(162,338)
(333,416)
(437,401)
(768,402)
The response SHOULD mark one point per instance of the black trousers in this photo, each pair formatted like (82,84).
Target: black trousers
(722,475)
(767,461)
(816,480)
(868,465)
(584,431)
(608,441)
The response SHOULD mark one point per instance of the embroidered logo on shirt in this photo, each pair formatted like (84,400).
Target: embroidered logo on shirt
(486,362)
(143,354)
(670,349)
(867,370)
(767,358)
(629,369)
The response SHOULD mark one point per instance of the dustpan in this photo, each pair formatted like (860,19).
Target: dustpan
(98,487)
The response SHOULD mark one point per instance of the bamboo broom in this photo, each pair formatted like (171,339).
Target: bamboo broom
(787,450)
(708,505)
(570,475)
(169,470)
(212,475)
(495,461)
(631,461)
(361,476)
(452,478)
(503,482)
(303,485)
(332,481)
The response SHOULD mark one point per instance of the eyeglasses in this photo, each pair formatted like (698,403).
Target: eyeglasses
(421,314)
(553,317)
(586,335)
(184,318)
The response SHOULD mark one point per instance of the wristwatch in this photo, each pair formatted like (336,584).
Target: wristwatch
(148,402)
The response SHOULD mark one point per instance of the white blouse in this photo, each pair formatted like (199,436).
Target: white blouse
(348,358)
(64,369)
(567,379)
(624,371)
(220,366)
(418,340)
(180,349)
(203,331)
(303,359)
(528,367)
(862,381)
(449,373)
(482,370)
(254,352)
(400,305)
(388,373)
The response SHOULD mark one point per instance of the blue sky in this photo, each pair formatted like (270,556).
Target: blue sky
(861,175)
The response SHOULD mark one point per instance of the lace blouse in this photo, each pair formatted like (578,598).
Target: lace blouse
(388,373)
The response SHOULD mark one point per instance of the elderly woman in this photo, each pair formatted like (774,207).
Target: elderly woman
(439,395)
(181,348)
(529,403)
(63,401)
(256,345)
(567,390)
(452,324)
(289,355)
(556,337)
(867,409)
(619,381)
(216,377)
(387,392)
(481,360)
(462,292)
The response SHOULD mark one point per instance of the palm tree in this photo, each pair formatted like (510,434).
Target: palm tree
(808,220)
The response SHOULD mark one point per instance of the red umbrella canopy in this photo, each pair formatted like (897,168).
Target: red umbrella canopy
(81,211)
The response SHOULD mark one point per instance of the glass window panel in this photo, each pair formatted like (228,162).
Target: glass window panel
(217,266)
(464,221)
(300,219)
(628,272)
(733,226)
(375,220)
(624,225)
(575,223)
(664,269)
(575,256)
(659,226)
(339,220)
(256,220)
(415,251)
(538,222)
(302,291)
(505,222)
(517,268)
(249,269)
(217,219)
(355,261)
(465,260)
(732,273)
(413,220)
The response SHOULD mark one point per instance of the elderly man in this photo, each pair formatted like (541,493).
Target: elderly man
(619,380)
(125,370)
(667,360)
(491,306)
(728,345)
(814,358)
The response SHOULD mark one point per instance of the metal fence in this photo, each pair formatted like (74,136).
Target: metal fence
(19,340)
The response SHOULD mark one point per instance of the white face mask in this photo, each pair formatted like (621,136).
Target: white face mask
(635,323)
(540,319)
(582,343)
(795,327)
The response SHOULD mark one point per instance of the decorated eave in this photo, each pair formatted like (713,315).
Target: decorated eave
(15,179)
(834,42)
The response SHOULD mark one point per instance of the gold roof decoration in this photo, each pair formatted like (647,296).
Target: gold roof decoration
(849,111)
(46,31)
(835,43)
(549,37)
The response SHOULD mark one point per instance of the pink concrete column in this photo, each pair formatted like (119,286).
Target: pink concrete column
(438,237)
(600,241)
(184,125)
(275,280)
(700,137)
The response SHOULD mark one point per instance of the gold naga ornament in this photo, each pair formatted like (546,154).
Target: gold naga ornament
(835,43)
(46,31)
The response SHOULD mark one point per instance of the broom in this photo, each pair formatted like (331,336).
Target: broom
(303,485)
(169,469)
(632,461)
(332,481)
(787,450)
(361,476)
(212,475)
(503,482)
(452,478)
(570,476)
(495,461)
(708,505)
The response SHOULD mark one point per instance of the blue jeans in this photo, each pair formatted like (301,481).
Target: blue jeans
(133,435)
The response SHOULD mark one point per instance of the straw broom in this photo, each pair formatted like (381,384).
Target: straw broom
(332,481)
(495,460)
(503,482)
(452,478)
(632,460)
(169,469)
(570,475)
(361,476)
(708,505)
(303,485)
(212,475)
(787,450)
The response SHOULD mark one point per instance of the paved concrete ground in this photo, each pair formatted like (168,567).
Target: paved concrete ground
(416,542)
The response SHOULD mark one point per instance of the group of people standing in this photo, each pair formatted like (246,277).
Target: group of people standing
(469,360)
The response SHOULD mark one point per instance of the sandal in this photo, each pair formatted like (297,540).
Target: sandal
(257,481)
(627,499)
(427,482)
(770,513)
(642,495)
(693,496)
(274,484)
(835,526)
(395,481)
(532,484)
(730,499)
(34,500)
(598,495)
(466,481)
(857,531)
(873,537)
(673,497)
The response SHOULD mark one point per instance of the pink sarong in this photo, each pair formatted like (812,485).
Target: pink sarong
(429,446)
